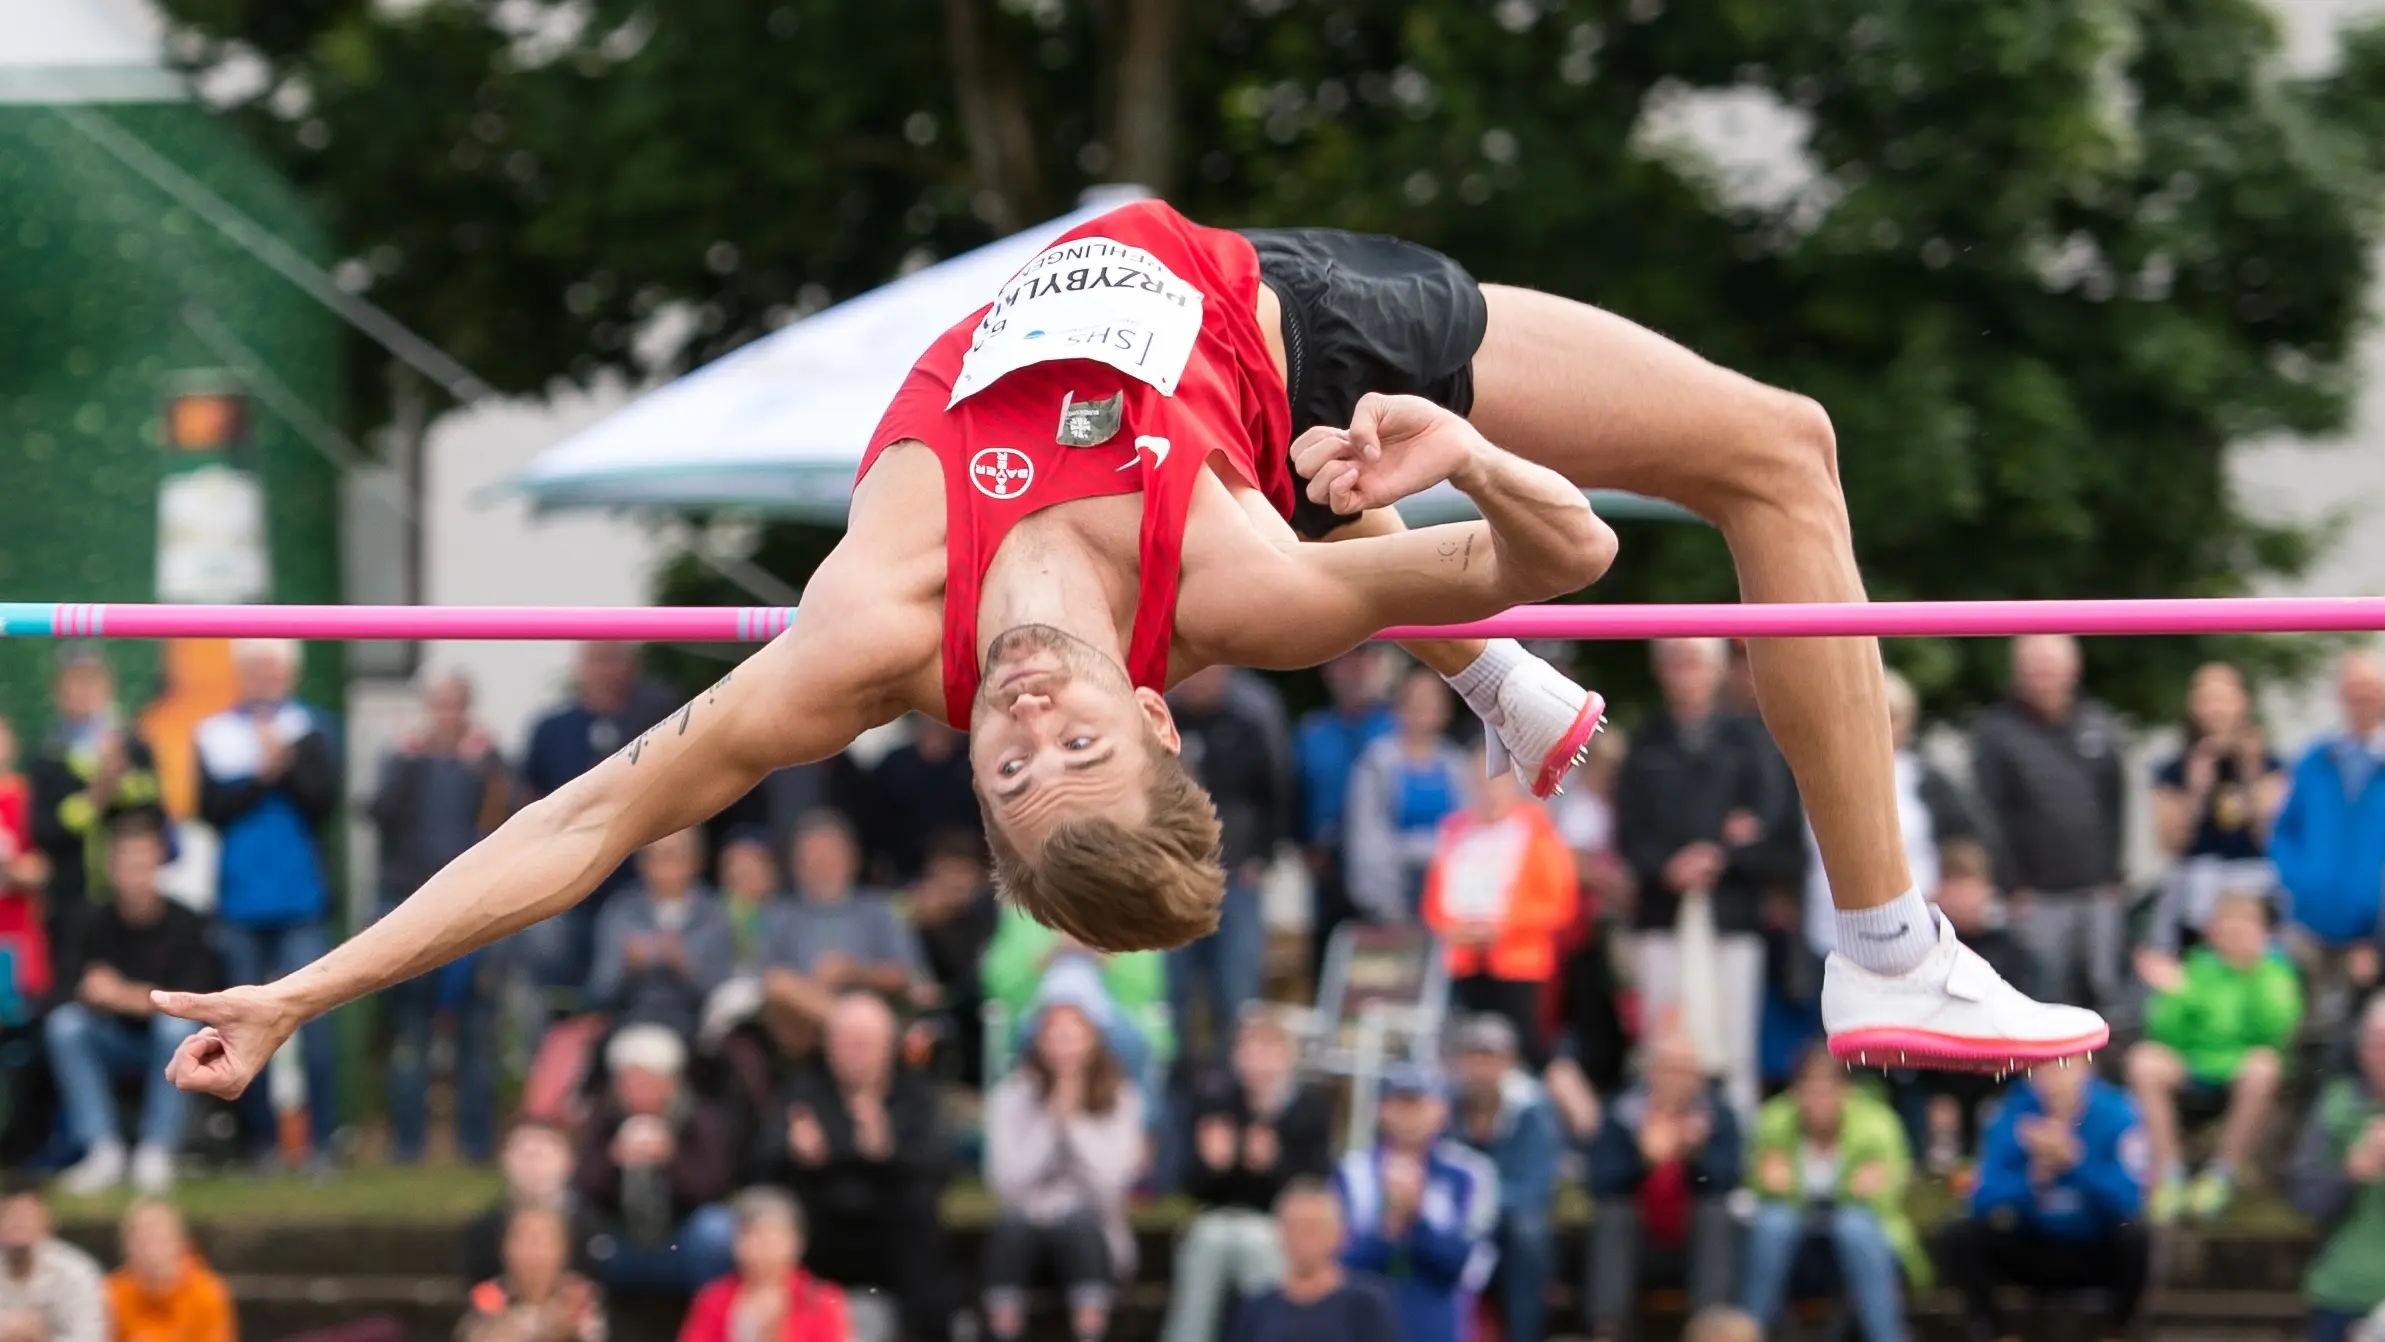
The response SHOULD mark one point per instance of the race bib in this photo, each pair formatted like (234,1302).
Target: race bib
(1088,298)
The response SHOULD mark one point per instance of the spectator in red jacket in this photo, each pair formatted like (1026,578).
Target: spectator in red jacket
(23,873)
(770,1298)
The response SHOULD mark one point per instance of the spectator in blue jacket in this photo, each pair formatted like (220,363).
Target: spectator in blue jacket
(1421,1211)
(268,781)
(2329,842)
(1503,1114)
(2060,1202)
(1663,1165)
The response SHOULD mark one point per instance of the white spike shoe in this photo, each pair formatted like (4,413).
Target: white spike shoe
(1544,728)
(1951,1013)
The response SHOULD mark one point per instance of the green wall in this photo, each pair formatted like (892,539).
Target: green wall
(97,269)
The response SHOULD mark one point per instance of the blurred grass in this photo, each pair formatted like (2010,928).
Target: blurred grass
(385,1195)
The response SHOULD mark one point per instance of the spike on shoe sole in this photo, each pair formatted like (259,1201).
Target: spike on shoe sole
(1934,1052)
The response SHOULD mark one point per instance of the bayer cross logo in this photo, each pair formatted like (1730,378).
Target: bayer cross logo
(1001,472)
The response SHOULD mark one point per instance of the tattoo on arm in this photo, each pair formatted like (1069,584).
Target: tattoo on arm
(1460,553)
(645,738)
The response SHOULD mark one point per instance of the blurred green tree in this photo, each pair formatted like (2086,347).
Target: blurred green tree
(2045,260)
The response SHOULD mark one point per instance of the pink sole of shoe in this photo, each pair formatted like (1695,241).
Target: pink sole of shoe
(1571,747)
(1895,1047)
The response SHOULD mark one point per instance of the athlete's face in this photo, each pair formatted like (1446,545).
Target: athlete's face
(1059,733)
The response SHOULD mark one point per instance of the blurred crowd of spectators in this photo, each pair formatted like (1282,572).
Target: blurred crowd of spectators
(760,1054)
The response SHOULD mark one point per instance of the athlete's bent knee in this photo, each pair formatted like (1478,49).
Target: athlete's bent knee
(1783,458)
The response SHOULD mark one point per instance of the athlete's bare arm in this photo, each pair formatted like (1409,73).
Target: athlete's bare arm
(1253,595)
(852,660)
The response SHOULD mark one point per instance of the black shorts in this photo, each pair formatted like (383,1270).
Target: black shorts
(1365,313)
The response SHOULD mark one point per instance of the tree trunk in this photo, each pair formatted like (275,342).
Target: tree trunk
(1144,114)
(993,115)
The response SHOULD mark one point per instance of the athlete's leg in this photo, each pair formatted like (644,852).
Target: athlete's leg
(1611,404)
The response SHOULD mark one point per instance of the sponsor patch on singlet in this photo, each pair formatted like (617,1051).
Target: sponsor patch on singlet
(1087,298)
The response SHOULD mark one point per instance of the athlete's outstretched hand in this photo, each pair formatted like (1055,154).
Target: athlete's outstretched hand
(1395,446)
(244,1028)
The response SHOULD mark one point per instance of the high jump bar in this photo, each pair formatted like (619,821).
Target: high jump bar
(758,624)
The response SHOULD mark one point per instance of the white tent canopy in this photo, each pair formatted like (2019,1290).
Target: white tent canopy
(778,426)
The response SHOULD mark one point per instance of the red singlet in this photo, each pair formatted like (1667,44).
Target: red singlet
(1141,305)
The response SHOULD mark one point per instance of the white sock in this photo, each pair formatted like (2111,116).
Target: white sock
(1893,938)
(1479,683)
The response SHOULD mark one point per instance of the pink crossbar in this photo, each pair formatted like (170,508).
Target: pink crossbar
(733,624)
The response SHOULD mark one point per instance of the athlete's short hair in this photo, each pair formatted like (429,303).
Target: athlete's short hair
(1143,887)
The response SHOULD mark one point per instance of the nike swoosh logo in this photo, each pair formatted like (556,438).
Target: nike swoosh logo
(1157,446)
(1885,936)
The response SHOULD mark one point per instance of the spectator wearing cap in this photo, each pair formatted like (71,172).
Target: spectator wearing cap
(2059,1204)
(1422,1210)
(2329,841)
(858,1138)
(443,789)
(2219,1028)
(165,1292)
(1500,893)
(1667,1158)
(1068,1123)
(833,938)
(1256,1128)
(1318,1300)
(92,764)
(770,1297)
(138,942)
(268,782)
(664,945)
(655,1163)
(49,1289)
(1503,1115)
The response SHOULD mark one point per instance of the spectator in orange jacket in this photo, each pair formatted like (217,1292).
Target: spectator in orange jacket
(770,1298)
(1500,893)
(164,1293)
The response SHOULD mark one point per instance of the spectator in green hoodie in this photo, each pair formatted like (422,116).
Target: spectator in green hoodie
(2217,1032)
(2338,1183)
